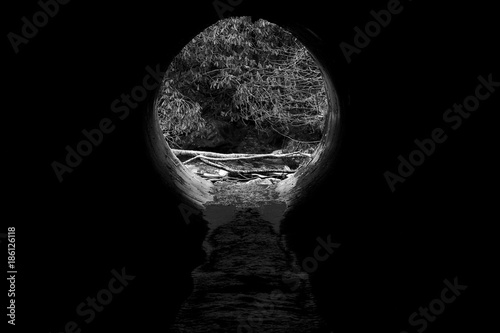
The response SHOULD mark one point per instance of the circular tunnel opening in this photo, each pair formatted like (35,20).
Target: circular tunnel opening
(239,79)
(246,255)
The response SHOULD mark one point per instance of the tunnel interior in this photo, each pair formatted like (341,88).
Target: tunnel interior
(194,191)
(263,255)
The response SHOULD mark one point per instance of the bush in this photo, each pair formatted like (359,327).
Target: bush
(239,71)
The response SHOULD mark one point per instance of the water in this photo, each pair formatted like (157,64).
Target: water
(250,282)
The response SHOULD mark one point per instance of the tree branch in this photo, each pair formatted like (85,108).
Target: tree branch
(237,172)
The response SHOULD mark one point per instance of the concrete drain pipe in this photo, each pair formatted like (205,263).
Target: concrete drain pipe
(193,191)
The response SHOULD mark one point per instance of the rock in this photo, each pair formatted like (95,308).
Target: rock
(261,182)
(253,181)
(192,168)
(266,182)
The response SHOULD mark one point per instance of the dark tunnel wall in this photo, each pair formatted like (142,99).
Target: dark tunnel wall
(191,189)
(114,209)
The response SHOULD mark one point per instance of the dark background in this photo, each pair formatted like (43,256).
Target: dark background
(112,211)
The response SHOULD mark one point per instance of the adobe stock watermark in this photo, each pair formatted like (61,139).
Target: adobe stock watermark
(453,117)
(372,29)
(421,319)
(30,28)
(266,302)
(97,304)
(94,137)
(223,6)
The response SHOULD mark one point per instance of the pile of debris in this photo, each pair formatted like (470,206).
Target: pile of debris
(240,167)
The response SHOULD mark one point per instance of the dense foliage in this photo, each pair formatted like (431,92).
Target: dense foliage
(239,70)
